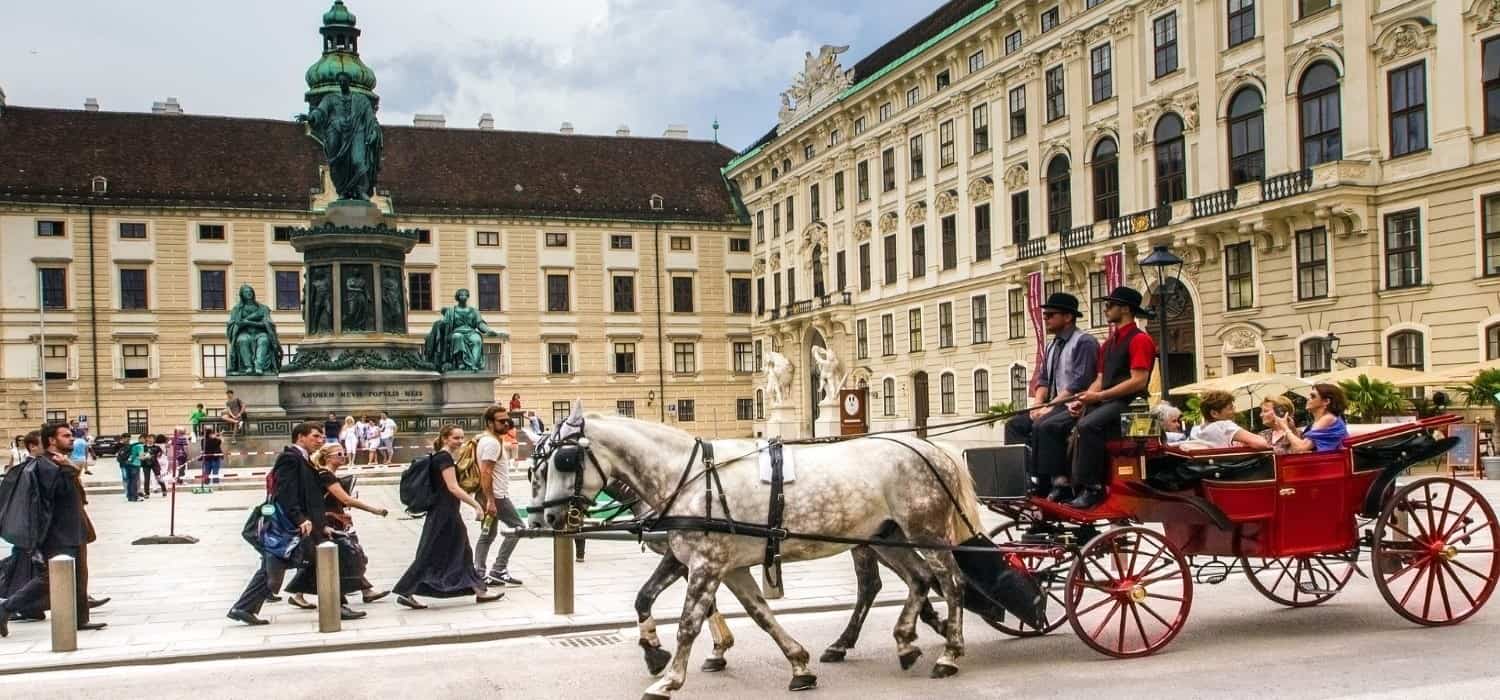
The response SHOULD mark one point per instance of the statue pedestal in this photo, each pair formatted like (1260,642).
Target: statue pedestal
(827,424)
(782,423)
(261,395)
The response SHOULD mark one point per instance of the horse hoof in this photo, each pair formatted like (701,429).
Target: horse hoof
(833,656)
(909,659)
(657,658)
(714,665)
(944,671)
(807,682)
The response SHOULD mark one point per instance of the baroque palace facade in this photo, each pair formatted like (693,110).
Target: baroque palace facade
(1322,166)
(125,237)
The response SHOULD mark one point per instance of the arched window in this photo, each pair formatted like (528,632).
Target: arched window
(1492,342)
(982,390)
(1314,353)
(888,395)
(1105,164)
(1247,137)
(775,174)
(760,404)
(1404,350)
(817,271)
(1059,196)
(786,165)
(1171,160)
(1321,120)
(1018,386)
(946,393)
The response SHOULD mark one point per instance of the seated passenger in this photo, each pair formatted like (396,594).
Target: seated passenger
(1327,431)
(1219,429)
(1170,418)
(1270,409)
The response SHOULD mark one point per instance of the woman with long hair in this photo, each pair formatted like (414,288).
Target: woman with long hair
(1326,404)
(349,435)
(1270,410)
(352,559)
(444,563)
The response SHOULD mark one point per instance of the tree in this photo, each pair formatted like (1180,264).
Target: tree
(1371,399)
(1481,390)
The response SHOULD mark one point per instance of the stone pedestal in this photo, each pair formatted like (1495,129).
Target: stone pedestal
(782,423)
(261,395)
(415,393)
(827,424)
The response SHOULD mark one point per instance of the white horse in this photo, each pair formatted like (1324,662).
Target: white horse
(881,489)
(778,378)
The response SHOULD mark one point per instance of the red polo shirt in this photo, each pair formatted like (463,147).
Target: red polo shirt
(1142,348)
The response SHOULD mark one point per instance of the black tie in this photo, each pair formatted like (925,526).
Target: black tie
(1052,360)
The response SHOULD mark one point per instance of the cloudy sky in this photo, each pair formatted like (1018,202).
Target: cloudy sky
(531,63)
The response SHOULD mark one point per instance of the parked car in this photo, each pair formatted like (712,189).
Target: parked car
(106,446)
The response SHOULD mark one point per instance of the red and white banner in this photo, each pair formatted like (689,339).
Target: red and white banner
(1114,270)
(1034,306)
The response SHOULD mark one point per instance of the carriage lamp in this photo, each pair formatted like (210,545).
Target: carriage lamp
(584,442)
(1168,267)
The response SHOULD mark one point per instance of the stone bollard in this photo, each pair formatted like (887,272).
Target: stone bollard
(62,573)
(329,605)
(562,575)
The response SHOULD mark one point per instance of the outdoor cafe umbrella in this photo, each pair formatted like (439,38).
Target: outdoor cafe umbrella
(1451,376)
(1376,373)
(1249,388)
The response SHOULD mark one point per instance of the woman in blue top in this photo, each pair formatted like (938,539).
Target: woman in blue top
(1327,431)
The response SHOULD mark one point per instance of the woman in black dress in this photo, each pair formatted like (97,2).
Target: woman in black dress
(352,559)
(444,564)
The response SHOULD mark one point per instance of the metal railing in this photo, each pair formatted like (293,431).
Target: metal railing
(808,305)
(1285,185)
(1141,221)
(1077,237)
(1215,202)
(1034,248)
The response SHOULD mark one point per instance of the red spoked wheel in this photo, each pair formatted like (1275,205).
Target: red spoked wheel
(1433,551)
(1050,573)
(1300,582)
(1128,593)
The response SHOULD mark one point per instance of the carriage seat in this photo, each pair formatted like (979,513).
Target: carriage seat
(1177,469)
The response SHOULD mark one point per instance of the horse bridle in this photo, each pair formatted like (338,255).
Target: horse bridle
(567,455)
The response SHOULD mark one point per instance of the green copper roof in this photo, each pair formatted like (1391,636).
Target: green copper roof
(338,15)
(340,57)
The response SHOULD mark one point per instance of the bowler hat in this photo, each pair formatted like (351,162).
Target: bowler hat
(1129,298)
(1062,301)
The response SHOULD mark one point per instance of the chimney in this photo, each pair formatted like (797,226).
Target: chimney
(487,121)
(91,104)
(434,121)
(622,131)
(171,106)
(676,131)
(2,101)
(567,128)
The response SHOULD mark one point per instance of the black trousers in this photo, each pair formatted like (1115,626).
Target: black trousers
(1046,441)
(36,594)
(266,582)
(1094,429)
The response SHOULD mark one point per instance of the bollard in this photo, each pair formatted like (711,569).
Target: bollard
(562,575)
(768,591)
(329,605)
(62,573)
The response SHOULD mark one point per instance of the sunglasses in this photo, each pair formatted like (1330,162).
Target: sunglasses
(1050,314)
(1111,305)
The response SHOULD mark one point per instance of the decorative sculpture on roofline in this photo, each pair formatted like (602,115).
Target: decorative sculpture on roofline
(456,341)
(254,349)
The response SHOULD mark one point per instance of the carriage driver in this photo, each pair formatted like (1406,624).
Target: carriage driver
(1124,367)
(1068,366)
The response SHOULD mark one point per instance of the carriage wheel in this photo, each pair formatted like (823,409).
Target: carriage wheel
(1433,551)
(1128,593)
(1049,575)
(1300,582)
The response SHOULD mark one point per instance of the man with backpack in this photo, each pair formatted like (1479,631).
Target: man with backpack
(494,480)
(130,467)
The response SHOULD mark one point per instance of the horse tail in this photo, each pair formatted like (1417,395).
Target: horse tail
(965,522)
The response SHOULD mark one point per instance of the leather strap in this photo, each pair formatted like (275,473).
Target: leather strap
(774,516)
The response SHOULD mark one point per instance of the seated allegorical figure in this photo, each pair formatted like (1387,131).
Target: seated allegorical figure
(1219,428)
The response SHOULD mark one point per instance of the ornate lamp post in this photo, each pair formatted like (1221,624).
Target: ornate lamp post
(1331,342)
(1168,268)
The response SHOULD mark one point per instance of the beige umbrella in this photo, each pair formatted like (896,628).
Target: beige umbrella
(1249,388)
(1451,376)
(1379,373)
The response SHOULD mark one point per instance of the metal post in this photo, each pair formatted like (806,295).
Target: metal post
(1161,294)
(62,573)
(562,575)
(329,605)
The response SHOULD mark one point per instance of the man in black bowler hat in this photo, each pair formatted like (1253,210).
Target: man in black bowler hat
(1125,363)
(1068,367)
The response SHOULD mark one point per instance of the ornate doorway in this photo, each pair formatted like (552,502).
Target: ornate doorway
(919,411)
(1182,335)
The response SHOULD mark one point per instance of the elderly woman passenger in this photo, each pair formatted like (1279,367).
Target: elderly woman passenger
(1170,418)
(1326,403)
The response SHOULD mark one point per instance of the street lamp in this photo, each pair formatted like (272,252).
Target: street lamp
(658,205)
(1168,267)
(1331,342)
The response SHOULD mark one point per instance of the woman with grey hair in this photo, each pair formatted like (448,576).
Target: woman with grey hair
(1170,418)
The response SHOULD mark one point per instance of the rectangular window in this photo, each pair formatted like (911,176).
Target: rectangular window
(861,340)
(55,362)
(885,111)
(760,226)
(212,360)
(890,259)
(137,361)
(1020,218)
(488,239)
(1490,64)
(557,240)
(279,234)
(981,391)
(776,289)
(621,241)
(864,267)
(625,408)
(1049,19)
(947,399)
(211,295)
(888,170)
(1018,385)
(210,232)
(560,411)
(739,295)
(685,412)
(982,233)
(419,291)
(133,231)
(682,295)
(979,120)
(976,61)
(840,273)
(1012,42)
(838,191)
(739,245)
(859,126)
(1312,7)
(808,152)
(946,156)
(424,236)
(133,289)
(624,358)
(288,290)
(1408,99)
(775,219)
(791,285)
(1403,249)
(557,293)
(494,358)
(887,335)
(744,356)
(914,330)
(1097,292)
(50,229)
(1057,105)
(913,96)
(760,295)
(1164,35)
(950,242)
(1238,278)
(945,324)
(918,251)
(1312,264)
(888,396)
(1016,313)
(1241,21)
(914,149)
(1017,112)
(684,243)
(137,420)
(979,319)
(815,202)
(559,358)
(744,409)
(684,359)
(862,181)
(1491,235)
(943,80)
(791,213)
(758,355)
(54,283)
(489,291)
(1101,73)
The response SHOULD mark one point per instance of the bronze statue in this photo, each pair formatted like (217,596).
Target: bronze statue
(392,305)
(357,304)
(346,127)
(456,342)
(254,349)
(319,300)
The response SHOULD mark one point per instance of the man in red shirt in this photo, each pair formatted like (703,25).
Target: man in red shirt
(1125,362)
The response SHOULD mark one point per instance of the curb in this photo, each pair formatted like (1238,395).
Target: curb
(261,652)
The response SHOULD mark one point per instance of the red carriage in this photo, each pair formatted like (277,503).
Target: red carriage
(1294,524)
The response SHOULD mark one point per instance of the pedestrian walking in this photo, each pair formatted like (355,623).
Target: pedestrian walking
(82,455)
(443,566)
(387,438)
(179,452)
(153,449)
(128,458)
(212,455)
(331,428)
(349,435)
(352,559)
(24,563)
(370,437)
(293,489)
(494,482)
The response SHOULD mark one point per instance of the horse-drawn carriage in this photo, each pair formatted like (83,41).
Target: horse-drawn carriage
(1295,524)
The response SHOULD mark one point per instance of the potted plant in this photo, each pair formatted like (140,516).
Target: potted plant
(1480,392)
(1371,399)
